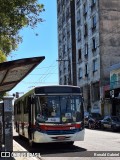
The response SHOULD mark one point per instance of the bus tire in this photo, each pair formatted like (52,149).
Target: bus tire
(70,143)
(30,143)
(20,136)
(18,130)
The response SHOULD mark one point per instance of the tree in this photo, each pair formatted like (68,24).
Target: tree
(2,57)
(14,15)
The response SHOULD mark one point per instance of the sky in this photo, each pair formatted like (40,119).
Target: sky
(45,44)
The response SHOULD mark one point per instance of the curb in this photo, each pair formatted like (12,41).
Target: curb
(18,148)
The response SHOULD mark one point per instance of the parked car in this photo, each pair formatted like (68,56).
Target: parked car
(110,122)
(92,120)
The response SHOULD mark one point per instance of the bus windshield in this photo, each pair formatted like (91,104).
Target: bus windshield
(58,109)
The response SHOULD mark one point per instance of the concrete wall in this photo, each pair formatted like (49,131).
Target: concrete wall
(92,77)
(64,42)
(107,35)
(109,13)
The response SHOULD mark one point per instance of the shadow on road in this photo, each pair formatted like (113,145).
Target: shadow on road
(48,149)
(105,130)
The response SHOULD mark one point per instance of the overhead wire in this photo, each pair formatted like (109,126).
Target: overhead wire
(48,72)
(48,75)
(43,76)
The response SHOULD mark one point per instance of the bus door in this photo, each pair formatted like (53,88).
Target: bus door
(29,117)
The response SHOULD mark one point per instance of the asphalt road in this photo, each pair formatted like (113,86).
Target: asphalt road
(95,140)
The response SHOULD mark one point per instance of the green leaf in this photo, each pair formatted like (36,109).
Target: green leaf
(15,15)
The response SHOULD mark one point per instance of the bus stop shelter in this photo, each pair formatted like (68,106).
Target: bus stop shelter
(11,73)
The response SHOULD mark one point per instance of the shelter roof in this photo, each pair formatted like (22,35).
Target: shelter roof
(12,72)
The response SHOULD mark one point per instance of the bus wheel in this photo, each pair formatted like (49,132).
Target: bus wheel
(20,136)
(30,143)
(18,130)
(16,127)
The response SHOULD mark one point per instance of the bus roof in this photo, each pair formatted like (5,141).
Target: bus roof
(56,89)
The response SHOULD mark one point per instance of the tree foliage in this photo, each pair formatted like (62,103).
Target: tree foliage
(14,15)
(2,57)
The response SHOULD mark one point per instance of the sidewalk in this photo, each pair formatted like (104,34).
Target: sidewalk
(17,147)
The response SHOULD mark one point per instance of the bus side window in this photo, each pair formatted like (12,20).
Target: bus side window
(18,108)
(78,116)
(25,105)
(38,106)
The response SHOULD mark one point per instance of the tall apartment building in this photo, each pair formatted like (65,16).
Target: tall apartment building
(66,42)
(88,44)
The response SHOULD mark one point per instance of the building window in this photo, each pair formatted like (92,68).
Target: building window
(95,65)
(60,72)
(94,22)
(67,14)
(68,35)
(64,66)
(77,3)
(63,34)
(65,80)
(93,2)
(96,91)
(85,30)
(79,54)
(79,35)
(78,17)
(68,47)
(85,9)
(63,49)
(94,44)
(86,49)
(60,80)
(58,9)
(86,70)
(80,73)
(63,18)
(60,54)
(59,40)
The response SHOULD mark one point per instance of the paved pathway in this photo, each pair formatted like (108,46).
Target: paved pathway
(17,148)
